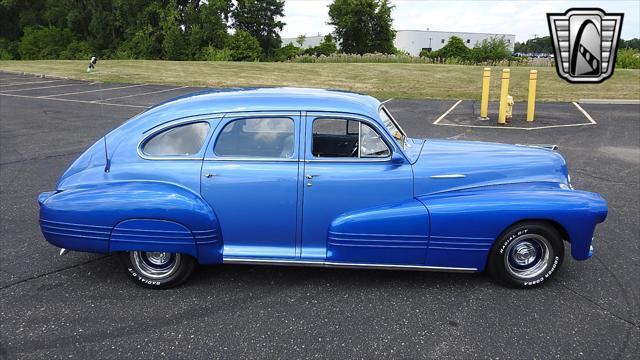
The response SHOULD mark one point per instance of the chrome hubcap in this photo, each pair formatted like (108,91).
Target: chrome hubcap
(155,265)
(527,256)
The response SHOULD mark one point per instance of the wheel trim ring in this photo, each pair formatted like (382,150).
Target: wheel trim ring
(151,272)
(537,266)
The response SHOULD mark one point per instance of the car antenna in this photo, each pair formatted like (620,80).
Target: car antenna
(107,166)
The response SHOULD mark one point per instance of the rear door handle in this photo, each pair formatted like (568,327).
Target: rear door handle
(210,175)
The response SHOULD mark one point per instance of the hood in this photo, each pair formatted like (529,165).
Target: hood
(448,165)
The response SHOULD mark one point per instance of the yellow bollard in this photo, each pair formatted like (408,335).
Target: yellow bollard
(510,103)
(484,101)
(531,103)
(504,91)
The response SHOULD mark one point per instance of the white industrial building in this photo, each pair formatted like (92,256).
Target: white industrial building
(414,41)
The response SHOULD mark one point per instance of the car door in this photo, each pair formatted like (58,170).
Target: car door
(349,167)
(250,178)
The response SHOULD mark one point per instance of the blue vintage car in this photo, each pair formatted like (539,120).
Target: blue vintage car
(315,178)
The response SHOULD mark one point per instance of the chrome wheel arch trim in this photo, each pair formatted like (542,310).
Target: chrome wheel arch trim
(311,263)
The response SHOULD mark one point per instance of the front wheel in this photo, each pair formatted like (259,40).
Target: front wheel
(526,255)
(158,270)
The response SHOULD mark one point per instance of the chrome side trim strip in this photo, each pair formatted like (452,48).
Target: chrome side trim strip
(233,158)
(343,265)
(448,176)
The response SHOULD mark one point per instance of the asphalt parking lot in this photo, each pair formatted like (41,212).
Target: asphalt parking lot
(83,306)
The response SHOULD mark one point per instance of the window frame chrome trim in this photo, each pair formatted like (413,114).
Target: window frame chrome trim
(173,124)
(359,118)
(247,158)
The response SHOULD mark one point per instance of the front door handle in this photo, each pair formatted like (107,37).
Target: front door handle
(210,175)
(310,176)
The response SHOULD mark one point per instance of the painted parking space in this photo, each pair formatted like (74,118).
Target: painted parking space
(547,115)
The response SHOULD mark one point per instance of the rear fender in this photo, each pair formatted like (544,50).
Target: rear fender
(132,215)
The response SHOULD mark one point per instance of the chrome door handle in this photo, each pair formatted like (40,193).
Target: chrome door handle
(310,176)
(209,176)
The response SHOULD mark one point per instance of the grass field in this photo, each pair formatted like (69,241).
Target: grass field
(406,81)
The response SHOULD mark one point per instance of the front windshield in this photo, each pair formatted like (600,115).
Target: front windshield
(393,127)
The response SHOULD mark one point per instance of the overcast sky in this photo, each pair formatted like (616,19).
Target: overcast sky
(522,18)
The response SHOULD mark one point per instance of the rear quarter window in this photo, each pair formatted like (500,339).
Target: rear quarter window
(182,140)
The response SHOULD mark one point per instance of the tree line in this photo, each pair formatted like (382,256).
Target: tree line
(240,30)
(544,45)
(212,30)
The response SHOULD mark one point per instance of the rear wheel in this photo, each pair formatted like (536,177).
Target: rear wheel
(158,270)
(526,255)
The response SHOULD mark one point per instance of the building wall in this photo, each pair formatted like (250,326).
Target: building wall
(413,41)
(309,41)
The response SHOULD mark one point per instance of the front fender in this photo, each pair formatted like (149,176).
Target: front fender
(476,217)
(83,218)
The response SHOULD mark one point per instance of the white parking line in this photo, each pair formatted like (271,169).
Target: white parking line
(30,82)
(446,113)
(15,78)
(89,91)
(586,114)
(516,127)
(147,93)
(49,87)
(71,100)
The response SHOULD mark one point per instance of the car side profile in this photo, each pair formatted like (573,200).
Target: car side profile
(310,177)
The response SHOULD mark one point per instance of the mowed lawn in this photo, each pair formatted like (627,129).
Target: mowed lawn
(405,81)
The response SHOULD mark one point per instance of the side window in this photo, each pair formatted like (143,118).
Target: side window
(371,143)
(257,137)
(180,140)
(346,139)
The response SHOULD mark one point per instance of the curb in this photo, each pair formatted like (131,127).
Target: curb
(610,101)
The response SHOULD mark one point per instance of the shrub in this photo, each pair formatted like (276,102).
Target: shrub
(244,47)
(8,49)
(44,43)
(286,53)
(210,53)
(491,50)
(77,50)
(628,59)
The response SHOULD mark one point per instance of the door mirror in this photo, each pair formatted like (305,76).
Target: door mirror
(397,158)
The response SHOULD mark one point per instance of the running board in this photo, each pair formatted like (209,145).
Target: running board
(248,261)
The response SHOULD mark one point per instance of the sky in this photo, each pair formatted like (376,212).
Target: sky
(525,19)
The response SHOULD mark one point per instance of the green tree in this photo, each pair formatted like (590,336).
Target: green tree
(260,19)
(300,40)
(244,47)
(326,47)
(286,52)
(44,43)
(206,25)
(174,46)
(491,50)
(536,45)
(454,49)
(363,26)
(630,44)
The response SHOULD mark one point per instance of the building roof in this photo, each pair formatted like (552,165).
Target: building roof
(454,32)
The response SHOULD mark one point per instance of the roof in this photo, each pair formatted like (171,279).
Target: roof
(266,99)
(453,32)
